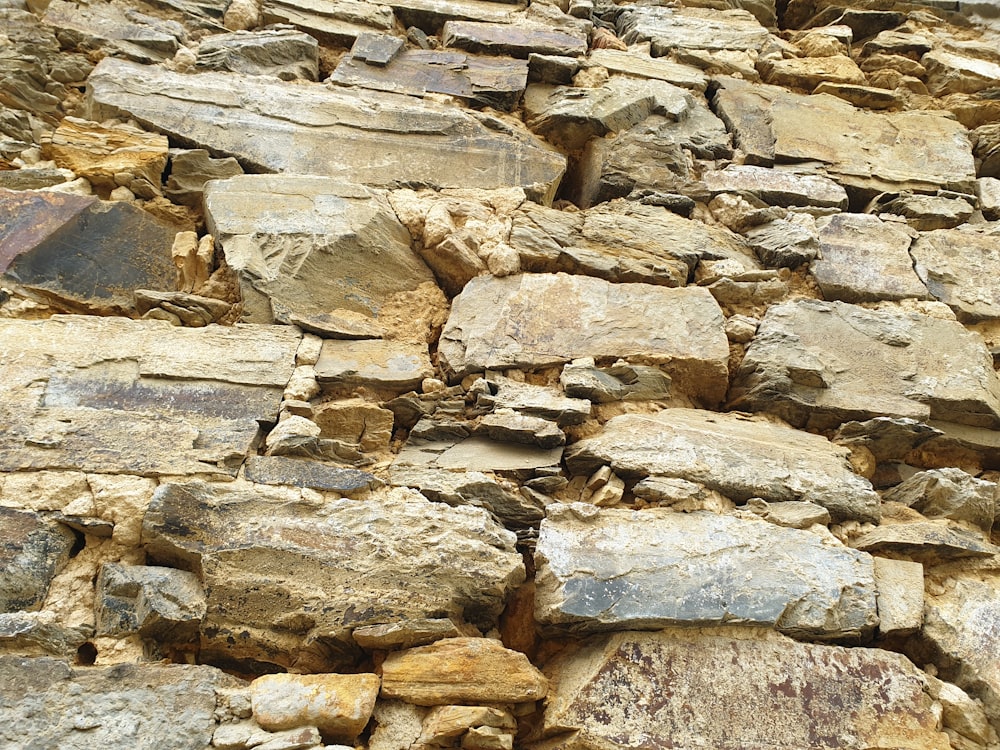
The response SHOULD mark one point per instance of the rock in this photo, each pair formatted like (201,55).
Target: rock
(343,564)
(294,472)
(282,53)
(958,267)
(516,333)
(190,309)
(640,66)
(163,604)
(39,634)
(100,153)
(620,382)
(397,725)
(356,421)
(691,28)
(864,259)
(394,365)
(31,178)
(533,400)
(900,585)
(783,244)
(330,131)
(948,493)
(612,687)
(101,386)
(315,249)
(461,670)
(809,72)
(506,425)
(337,25)
(988,189)
(117,248)
(696,569)
(407,633)
(477,454)
(987,149)
(444,724)
(189,171)
(737,456)
(33,551)
(961,712)
(305,738)
(930,542)
(777,188)
(134,35)
(793,514)
(865,97)
(886,363)
(487,738)
(948,73)
(339,705)
(511,39)
(926,212)
(134,705)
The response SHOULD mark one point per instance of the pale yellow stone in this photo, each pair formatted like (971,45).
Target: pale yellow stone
(122,499)
(45,490)
(444,723)
(339,705)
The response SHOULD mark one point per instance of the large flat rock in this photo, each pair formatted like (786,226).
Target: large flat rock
(644,570)
(961,267)
(668,29)
(310,250)
(539,320)
(819,364)
(112,395)
(299,576)
(730,453)
(374,138)
(660,690)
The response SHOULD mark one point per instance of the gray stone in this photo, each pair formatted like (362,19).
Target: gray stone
(86,393)
(40,634)
(888,439)
(929,542)
(777,188)
(900,585)
(376,49)
(641,66)
(129,33)
(32,552)
(190,169)
(783,244)
(793,514)
(731,453)
(48,704)
(283,53)
(619,382)
(338,25)
(163,604)
(864,259)
(533,400)
(657,689)
(987,149)
(506,425)
(315,250)
(511,39)
(299,575)
(33,178)
(499,323)
(649,569)
(395,365)
(824,363)
(960,268)
(407,633)
(691,28)
(948,493)
(295,472)
(313,129)
(926,213)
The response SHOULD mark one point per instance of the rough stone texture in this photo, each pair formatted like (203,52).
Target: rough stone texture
(190,169)
(900,585)
(930,542)
(407,633)
(297,472)
(313,249)
(134,35)
(948,73)
(864,259)
(640,66)
(611,691)
(498,323)
(299,575)
(373,362)
(461,670)
(730,453)
(948,493)
(476,454)
(49,704)
(282,53)
(691,28)
(318,130)
(960,269)
(86,393)
(80,253)
(824,363)
(337,24)
(32,552)
(339,705)
(160,603)
(645,570)
(777,188)
(511,39)
(809,72)
(39,634)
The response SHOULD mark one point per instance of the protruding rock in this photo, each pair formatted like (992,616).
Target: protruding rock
(960,268)
(32,552)
(282,53)
(777,188)
(339,705)
(691,28)
(511,39)
(925,541)
(160,603)
(376,363)
(949,493)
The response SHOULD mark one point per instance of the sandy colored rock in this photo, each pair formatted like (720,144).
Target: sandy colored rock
(374,362)
(461,670)
(356,421)
(691,28)
(339,705)
(959,268)
(808,72)
(900,585)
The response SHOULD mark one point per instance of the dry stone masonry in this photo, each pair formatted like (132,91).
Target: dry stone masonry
(499,374)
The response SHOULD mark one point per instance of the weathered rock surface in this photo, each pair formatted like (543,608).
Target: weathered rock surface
(929,542)
(656,689)
(730,453)
(373,362)
(691,28)
(511,39)
(85,393)
(339,705)
(497,323)
(282,53)
(33,551)
(330,132)
(824,363)
(316,475)
(777,188)
(900,585)
(649,569)
(948,493)
(960,269)
(161,603)
(299,575)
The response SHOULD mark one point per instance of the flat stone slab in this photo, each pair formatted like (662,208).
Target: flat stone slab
(731,453)
(337,24)
(540,320)
(383,364)
(654,690)
(112,395)
(283,53)
(299,575)
(961,267)
(644,570)
(301,472)
(819,364)
(310,250)
(777,188)
(641,66)
(511,39)
(314,129)
(929,542)
(477,454)
(691,28)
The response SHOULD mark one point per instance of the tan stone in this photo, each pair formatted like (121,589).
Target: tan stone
(900,585)
(444,723)
(355,421)
(45,490)
(461,670)
(339,705)
(809,72)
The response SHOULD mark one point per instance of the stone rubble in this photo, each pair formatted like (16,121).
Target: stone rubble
(495,374)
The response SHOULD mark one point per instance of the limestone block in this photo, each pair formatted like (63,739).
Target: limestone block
(777,188)
(809,72)
(299,472)
(284,53)
(373,362)
(355,421)
(900,585)
(960,269)
(949,73)
(339,705)
(443,724)
(407,633)
(640,66)
(948,493)
(930,542)
(691,28)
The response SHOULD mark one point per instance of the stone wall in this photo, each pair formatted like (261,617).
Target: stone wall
(559,375)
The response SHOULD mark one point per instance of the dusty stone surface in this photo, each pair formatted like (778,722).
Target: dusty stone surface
(161,603)
(33,551)
(958,268)
(948,493)
(389,364)
(900,586)
(338,705)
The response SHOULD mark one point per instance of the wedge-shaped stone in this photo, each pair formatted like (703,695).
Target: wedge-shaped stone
(738,456)
(356,136)
(656,690)
(80,253)
(32,551)
(928,542)
(339,705)
(691,28)
(308,250)
(461,670)
(539,320)
(653,568)
(961,267)
(777,188)
(299,575)
(140,706)
(87,393)
(819,364)
(337,24)
(948,73)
